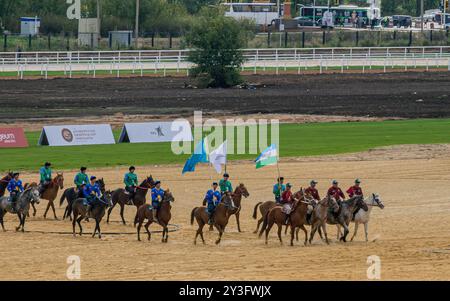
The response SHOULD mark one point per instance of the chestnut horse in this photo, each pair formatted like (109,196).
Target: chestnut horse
(4,183)
(297,219)
(221,215)
(264,207)
(164,215)
(119,196)
(240,191)
(50,193)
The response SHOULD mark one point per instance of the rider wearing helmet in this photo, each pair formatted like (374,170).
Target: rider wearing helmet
(335,191)
(312,190)
(355,190)
(157,197)
(45,173)
(14,187)
(212,199)
(225,184)
(81,178)
(131,182)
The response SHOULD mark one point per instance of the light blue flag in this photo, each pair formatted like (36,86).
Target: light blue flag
(200,155)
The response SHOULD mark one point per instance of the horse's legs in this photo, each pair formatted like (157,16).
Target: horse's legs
(356,231)
(79,224)
(199,232)
(122,207)
(23,222)
(313,231)
(306,233)
(324,228)
(338,231)
(148,231)
(19,215)
(280,229)
(138,229)
(259,223)
(109,211)
(221,230)
(165,234)
(366,230)
(2,213)
(66,212)
(292,234)
(296,234)
(237,221)
(269,226)
(346,231)
(73,224)
(98,227)
(54,210)
(34,209)
(46,210)
(320,232)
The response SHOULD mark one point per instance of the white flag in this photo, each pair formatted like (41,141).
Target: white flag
(218,157)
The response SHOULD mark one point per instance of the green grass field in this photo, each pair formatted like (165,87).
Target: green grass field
(295,140)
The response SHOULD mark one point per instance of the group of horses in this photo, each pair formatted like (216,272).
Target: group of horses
(305,210)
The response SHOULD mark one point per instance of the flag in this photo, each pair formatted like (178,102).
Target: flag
(268,157)
(200,155)
(218,157)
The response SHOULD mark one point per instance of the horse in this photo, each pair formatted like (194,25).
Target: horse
(50,193)
(71,195)
(363,217)
(4,182)
(97,212)
(22,206)
(264,207)
(297,219)
(221,215)
(345,214)
(119,196)
(240,191)
(145,212)
(320,215)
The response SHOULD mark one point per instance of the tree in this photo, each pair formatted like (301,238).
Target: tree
(217,42)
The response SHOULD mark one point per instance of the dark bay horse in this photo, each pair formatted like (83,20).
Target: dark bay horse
(297,219)
(4,183)
(264,207)
(50,193)
(164,215)
(345,214)
(70,194)
(120,197)
(221,216)
(97,212)
(23,202)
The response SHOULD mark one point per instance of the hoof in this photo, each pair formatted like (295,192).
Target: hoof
(217,242)
(195,242)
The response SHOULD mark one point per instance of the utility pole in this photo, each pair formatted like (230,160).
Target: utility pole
(421,15)
(99,15)
(136,30)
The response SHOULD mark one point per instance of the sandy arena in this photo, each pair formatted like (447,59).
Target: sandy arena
(410,235)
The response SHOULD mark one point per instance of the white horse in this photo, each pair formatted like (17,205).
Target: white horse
(363,217)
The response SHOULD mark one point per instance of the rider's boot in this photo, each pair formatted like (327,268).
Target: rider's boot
(155,216)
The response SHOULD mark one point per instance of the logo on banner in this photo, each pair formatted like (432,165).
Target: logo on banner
(67,135)
(159,132)
(12,137)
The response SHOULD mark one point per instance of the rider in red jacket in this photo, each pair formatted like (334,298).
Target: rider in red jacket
(335,191)
(355,190)
(312,190)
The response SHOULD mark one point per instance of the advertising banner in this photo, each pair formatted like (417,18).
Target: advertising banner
(69,135)
(156,132)
(12,137)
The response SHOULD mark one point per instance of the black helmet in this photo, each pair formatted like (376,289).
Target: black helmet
(48,164)
(131,168)
(225,175)
(215,184)
(15,174)
(157,182)
(83,168)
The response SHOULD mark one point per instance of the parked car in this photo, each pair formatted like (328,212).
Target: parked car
(304,21)
(402,21)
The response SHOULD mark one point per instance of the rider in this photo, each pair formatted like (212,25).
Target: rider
(14,187)
(131,181)
(278,189)
(286,201)
(91,192)
(355,190)
(81,178)
(211,204)
(157,196)
(312,190)
(45,177)
(335,191)
(225,184)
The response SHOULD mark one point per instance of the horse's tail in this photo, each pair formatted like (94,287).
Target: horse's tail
(63,197)
(265,223)
(193,215)
(255,211)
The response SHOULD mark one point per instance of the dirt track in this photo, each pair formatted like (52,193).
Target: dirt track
(411,235)
(410,95)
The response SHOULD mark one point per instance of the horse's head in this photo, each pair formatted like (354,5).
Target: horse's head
(101,185)
(34,194)
(59,180)
(149,182)
(331,201)
(376,201)
(241,189)
(107,198)
(361,204)
(168,196)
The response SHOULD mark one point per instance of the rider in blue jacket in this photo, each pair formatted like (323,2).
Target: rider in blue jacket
(212,199)
(157,196)
(91,192)
(14,187)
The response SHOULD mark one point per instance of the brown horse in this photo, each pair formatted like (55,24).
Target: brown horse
(145,212)
(119,196)
(263,208)
(4,183)
(97,212)
(297,219)
(320,214)
(50,193)
(221,215)
(240,191)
